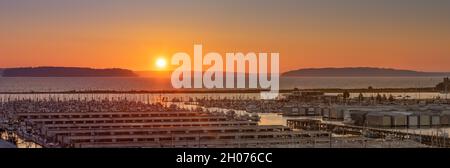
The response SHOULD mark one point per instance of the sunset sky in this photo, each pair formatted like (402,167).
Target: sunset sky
(132,34)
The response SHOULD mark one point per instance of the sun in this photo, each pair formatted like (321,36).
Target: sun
(161,63)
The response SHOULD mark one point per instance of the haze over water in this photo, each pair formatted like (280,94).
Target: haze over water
(24,84)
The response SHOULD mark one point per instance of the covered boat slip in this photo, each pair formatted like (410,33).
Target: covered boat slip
(146,125)
(188,137)
(167,130)
(320,138)
(157,129)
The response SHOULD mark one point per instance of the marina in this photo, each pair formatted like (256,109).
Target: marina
(224,83)
(209,119)
(148,125)
(118,122)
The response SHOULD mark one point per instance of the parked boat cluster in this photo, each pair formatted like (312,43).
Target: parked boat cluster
(28,105)
(249,105)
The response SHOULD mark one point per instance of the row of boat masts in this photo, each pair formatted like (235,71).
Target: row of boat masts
(149,98)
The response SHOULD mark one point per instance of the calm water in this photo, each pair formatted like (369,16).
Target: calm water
(22,84)
(139,83)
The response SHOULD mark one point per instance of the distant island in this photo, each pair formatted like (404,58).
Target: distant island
(360,72)
(117,72)
(66,72)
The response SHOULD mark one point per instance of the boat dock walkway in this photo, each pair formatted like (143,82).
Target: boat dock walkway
(434,140)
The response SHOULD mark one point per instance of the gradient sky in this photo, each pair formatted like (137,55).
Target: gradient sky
(407,34)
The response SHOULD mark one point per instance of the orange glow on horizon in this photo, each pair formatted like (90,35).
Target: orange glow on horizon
(134,35)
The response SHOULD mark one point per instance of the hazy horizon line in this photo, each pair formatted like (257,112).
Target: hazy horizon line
(308,68)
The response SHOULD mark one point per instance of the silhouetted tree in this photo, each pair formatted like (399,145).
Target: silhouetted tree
(391,98)
(360,97)
(443,86)
(378,97)
(346,95)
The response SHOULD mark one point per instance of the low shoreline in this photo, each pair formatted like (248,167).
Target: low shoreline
(191,91)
